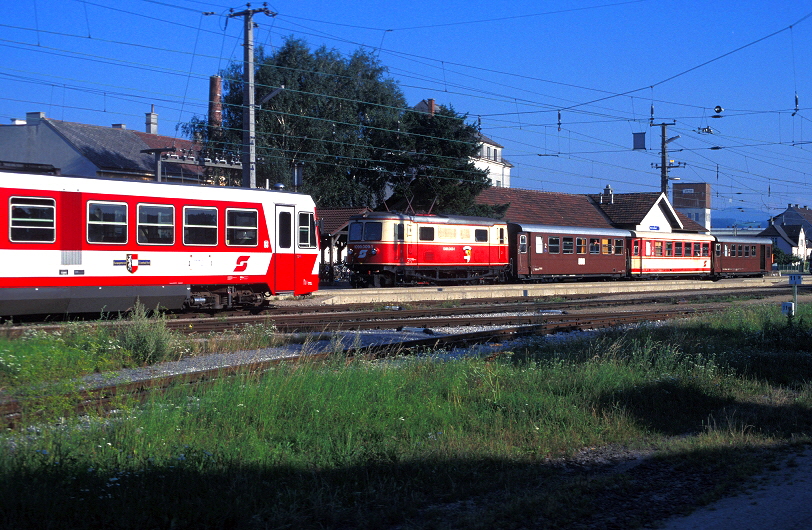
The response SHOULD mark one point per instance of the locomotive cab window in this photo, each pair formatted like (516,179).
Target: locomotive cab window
(242,228)
(399,236)
(106,222)
(481,235)
(426,233)
(356,232)
(156,224)
(32,220)
(307,230)
(199,226)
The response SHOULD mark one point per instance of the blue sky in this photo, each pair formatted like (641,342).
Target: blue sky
(515,66)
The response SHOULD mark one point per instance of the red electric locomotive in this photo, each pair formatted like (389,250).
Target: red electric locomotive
(73,245)
(387,248)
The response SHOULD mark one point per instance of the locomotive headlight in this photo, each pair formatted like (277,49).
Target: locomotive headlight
(373,251)
(349,251)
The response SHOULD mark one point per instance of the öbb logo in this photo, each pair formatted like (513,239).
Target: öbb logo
(242,264)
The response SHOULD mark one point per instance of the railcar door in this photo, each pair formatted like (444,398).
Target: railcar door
(762,257)
(284,259)
(522,264)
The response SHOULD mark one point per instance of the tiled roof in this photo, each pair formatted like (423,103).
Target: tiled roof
(335,219)
(106,147)
(789,233)
(688,224)
(544,207)
(485,140)
(116,149)
(626,209)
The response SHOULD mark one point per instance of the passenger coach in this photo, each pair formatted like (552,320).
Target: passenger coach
(540,252)
(71,245)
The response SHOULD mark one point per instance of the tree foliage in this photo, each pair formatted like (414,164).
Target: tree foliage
(347,122)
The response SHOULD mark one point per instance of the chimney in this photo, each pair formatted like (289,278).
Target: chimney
(152,121)
(609,194)
(215,101)
(119,126)
(431,106)
(33,118)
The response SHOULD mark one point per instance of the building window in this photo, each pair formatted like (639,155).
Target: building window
(496,154)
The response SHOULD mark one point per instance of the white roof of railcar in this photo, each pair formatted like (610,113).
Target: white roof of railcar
(752,240)
(166,190)
(672,235)
(585,230)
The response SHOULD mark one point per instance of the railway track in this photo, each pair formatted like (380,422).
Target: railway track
(103,397)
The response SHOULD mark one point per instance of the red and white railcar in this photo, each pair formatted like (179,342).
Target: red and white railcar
(670,254)
(71,245)
(388,248)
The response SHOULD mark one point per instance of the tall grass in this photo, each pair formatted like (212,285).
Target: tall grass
(357,444)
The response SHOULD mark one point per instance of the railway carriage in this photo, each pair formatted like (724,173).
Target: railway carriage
(540,252)
(741,256)
(387,248)
(670,254)
(71,245)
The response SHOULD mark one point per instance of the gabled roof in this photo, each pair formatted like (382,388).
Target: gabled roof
(333,220)
(106,147)
(544,207)
(789,233)
(627,210)
(688,224)
(110,148)
(485,140)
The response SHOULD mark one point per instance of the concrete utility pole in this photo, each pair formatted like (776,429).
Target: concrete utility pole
(664,166)
(249,147)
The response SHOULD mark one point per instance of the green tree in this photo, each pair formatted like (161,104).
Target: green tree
(337,116)
(436,170)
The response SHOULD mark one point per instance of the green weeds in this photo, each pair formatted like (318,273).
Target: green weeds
(418,443)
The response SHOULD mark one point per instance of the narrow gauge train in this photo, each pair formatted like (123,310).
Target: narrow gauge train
(396,249)
(75,245)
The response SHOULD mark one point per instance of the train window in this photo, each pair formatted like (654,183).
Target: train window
(718,249)
(307,230)
(619,246)
(501,236)
(242,228)
(199,226)
(669,248)
(156,224)
(678,248)
(658,248)
(746,251)
(106,222)
(399,232)
(373,231)
(753,251)
(481,235)
(636,247)
(523,244)
(580,245)
(426,233)
(688,249)
(356,231)
(539,245)
(568,245)
(594,245)
(606,246)
(32,220)
(554,244)
(284,227)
